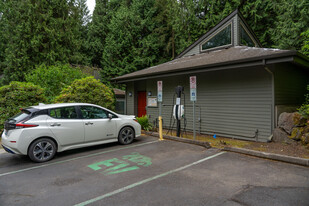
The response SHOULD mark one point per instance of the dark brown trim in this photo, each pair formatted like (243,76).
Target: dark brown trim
(196,70)
(268,59)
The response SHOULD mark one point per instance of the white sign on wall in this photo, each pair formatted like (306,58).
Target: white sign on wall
(193,88)
(160,93)
(193,82)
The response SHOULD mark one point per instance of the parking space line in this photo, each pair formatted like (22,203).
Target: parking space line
(76,158)
(2,151)
(146,180)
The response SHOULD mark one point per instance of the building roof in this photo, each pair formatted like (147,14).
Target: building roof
(119,92)
(233,57)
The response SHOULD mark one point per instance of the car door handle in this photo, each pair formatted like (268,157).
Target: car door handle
(55,124)
(87,123)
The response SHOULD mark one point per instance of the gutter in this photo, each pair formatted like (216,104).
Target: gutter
(272,101)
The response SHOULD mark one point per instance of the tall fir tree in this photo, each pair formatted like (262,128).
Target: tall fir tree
(3,41)
(98,29)
(40,32)
(292,20)
(130,44)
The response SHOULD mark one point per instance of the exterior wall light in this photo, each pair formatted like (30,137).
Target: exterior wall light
(130,94)
(149,93)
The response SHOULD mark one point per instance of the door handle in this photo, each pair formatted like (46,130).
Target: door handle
(87,123)
(55,124)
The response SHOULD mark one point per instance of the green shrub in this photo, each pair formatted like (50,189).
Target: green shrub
(144,122)
(304,109)
(54,78)
(18,95)
(88,90)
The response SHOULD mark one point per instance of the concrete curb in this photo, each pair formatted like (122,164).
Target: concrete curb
(180,139)
(278,157)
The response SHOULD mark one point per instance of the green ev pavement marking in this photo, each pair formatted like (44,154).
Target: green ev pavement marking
(122,165)
(145,181)
(75,158)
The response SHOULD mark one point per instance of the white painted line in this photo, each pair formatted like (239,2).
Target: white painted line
(76,158)
(2,151)
(145,181)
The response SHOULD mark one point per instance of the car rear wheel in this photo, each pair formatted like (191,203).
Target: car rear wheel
(126,135)
(42,150)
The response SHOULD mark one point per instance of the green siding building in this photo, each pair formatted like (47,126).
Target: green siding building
(241,87)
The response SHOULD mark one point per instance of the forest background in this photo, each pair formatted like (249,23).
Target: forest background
(123,36)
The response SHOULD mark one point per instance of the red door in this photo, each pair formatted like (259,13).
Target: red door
(141,104)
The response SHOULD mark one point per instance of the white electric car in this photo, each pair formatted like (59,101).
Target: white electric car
(41,131)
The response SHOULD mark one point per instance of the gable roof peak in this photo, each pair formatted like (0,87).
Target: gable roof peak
(231,31)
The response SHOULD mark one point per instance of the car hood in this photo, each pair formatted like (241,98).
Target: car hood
(126,116)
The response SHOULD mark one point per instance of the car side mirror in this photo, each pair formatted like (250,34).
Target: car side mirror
(110,116)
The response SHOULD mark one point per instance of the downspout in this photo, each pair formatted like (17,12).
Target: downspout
(272,99)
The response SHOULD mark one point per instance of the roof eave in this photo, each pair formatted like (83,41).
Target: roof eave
(290,56)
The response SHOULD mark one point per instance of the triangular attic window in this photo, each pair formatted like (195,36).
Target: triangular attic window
(245,39)
(222,38)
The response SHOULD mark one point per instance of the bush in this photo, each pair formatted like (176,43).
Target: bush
(88,90)
(54,78)
(18,95)
(144,122)
(304,109)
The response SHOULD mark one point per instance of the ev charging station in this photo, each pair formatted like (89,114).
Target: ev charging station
(178,109)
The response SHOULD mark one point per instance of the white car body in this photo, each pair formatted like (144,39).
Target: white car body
(68,133)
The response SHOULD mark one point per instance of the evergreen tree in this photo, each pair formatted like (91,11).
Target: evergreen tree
(41,32)
(81,19)
(98,29)
(130,44)
(261,15)
(292,20)
(305,40)
(2,36)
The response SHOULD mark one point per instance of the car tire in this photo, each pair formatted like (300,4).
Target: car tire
(126,135)
(42,150)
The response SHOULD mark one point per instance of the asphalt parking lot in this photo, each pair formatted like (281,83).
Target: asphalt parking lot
(151,172)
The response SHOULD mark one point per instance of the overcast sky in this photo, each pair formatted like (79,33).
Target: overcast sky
(91,4)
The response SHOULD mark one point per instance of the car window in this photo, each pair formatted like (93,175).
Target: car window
(90,112)
(24,114)
(63,113)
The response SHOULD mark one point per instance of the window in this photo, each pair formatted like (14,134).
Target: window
(222,38)
(119,107)
(63,113)
(245,38)
(90,112)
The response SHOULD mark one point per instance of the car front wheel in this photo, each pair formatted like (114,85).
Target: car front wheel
(126,135)
(42,150)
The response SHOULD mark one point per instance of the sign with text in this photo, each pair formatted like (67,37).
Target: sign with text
(160,88)
(193,82)
(193,88)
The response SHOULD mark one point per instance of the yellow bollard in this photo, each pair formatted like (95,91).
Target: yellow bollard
(160,128)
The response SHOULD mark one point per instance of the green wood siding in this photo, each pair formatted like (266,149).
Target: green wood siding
(234,103)
(290,84)
(130,100)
